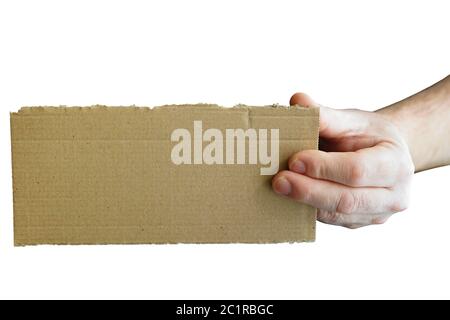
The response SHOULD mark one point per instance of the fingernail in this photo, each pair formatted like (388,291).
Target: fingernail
(298,166)
(282,186)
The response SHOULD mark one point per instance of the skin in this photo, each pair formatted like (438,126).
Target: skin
(363,171)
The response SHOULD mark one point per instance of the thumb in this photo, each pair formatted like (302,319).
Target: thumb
(334,123)
(303,100)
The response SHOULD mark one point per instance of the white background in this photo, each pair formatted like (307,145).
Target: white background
(344,53)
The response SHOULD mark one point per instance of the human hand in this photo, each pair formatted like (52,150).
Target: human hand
(360,176)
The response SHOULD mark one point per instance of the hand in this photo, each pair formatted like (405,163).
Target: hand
(360,176)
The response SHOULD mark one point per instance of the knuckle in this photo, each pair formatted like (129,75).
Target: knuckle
(304,195)
(379,220)
(314,165)
(407,168)
(300,192)
(347,203)
(330,217)
(401,199)
(335,218)
(318,168)
(357,173)
(399,205)
(352,226)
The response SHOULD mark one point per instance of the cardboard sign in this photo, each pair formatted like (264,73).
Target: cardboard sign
(171,174)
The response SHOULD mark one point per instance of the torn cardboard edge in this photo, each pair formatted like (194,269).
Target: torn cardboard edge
(63,109)
(100,175)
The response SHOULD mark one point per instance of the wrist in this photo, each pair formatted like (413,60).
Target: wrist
(395,115)
(423,121)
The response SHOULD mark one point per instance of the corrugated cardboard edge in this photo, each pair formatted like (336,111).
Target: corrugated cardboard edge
(64,110)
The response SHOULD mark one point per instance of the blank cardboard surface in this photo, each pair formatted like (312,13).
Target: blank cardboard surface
(104,175)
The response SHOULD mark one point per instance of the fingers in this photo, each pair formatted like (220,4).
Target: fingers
(333,197)
(351,221)
(379,166)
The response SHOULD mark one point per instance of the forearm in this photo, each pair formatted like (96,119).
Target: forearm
(424,120)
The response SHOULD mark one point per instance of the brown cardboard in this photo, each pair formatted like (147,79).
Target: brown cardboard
(104,175)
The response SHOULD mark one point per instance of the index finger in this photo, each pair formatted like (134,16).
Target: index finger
(378,166)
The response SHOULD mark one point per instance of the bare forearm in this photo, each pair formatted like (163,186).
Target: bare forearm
(424,120)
